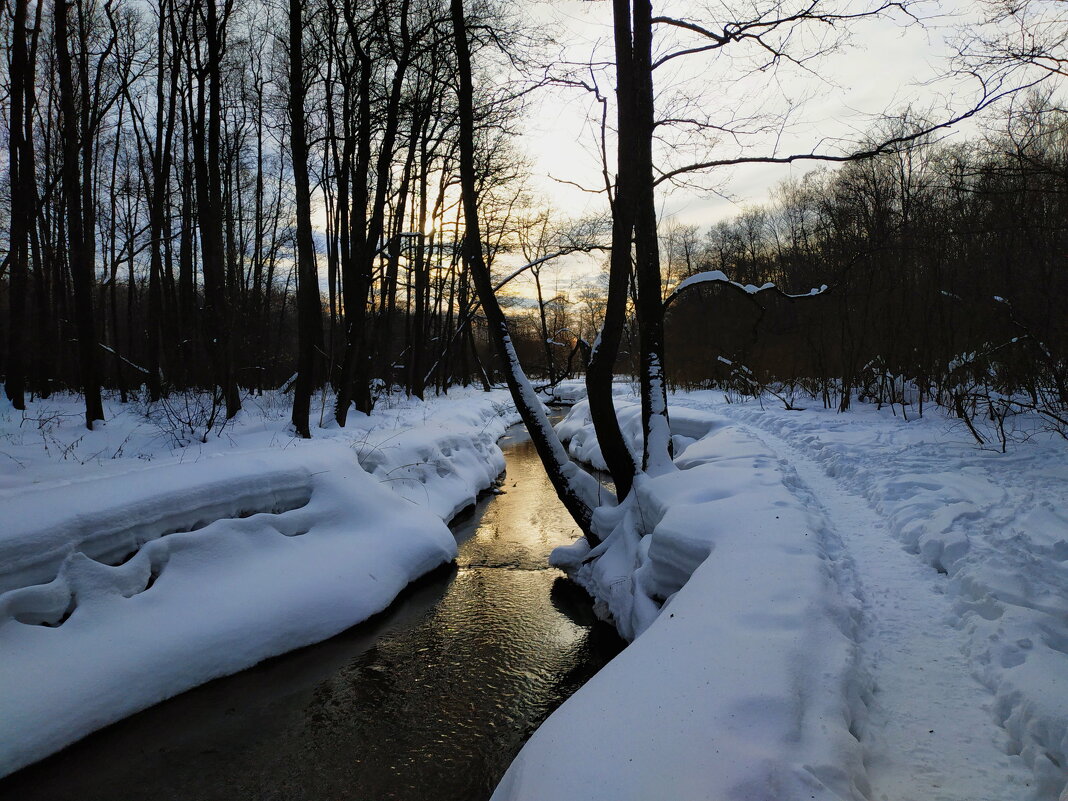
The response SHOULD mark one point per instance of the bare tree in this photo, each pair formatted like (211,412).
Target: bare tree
(79,220)
(571,484)
(310,322)
(20,170)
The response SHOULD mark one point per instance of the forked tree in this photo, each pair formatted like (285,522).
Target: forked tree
(772,29)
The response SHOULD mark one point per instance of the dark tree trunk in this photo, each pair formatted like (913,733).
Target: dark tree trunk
(552,454)
(656,454)
(161,168)
(356,281)
(20,173)
(207,135)
(601,368)
(80,253)
(309,310)
(546,343)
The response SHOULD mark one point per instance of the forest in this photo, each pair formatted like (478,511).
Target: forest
(163,163)
(945,275)
(174,167)
(342,458)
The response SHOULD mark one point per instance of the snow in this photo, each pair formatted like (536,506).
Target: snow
(131,571)
(823,606)
(992,531)
(741,687)
(566,393)
(658,441)
(718,276)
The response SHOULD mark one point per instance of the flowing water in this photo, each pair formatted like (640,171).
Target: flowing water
(430,700)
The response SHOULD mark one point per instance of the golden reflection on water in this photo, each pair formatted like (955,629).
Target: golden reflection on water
(431,701)
(523,525)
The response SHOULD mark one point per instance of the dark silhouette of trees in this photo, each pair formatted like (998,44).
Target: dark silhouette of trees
(164,187)
(309,315)
(945,266)
(21,169)
(77,189)
(178,168)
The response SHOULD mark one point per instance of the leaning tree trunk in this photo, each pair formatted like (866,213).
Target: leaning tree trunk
(566,477)
(603,355)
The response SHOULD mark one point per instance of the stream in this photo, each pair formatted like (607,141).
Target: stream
(429,700)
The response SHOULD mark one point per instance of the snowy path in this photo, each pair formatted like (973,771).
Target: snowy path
(916,588)
(930,735)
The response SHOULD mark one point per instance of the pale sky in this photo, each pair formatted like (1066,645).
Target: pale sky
(885,66)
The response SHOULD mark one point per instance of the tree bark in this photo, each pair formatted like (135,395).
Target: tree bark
(207,135)
(80,254)
(656,455)
(19,171)
(563,473)
(309,309)
(605,351)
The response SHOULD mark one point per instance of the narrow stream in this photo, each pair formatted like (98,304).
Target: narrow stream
(430,700)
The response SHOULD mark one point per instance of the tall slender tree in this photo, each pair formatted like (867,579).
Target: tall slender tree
(309,308)
(80,249)
(21,174)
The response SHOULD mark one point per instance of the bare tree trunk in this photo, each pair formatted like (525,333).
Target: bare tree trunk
(309,310)
(656,455)
(161,159)
(81,256)
(207,132)
(355,280)
(47,343)
(20,173)
(603,356)
(546,344)
(563,473)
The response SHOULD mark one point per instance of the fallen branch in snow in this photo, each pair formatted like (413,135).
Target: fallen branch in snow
(719,277)
(123,359)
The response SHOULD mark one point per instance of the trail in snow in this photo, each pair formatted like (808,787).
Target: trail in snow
(930,734)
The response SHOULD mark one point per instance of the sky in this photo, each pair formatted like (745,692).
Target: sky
(882,66)
(885,65)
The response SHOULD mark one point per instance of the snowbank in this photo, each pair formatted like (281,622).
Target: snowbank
(994,524)
(742,681)
(566,392)
(444,462)
(126,580)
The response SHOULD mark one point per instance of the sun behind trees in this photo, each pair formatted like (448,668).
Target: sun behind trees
(219,196)
(187,199)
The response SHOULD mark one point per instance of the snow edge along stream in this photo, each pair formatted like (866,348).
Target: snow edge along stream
(157,579)
(741,685)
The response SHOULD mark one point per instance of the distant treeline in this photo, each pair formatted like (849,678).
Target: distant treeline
(947,275)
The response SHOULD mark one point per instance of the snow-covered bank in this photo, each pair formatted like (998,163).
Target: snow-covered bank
(130,572)
(860,573)
(993,530)
(744,686)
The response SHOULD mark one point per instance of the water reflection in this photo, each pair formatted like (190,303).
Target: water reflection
(430,701)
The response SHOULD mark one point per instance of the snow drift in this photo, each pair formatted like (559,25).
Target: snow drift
(741,681)
(122,584)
